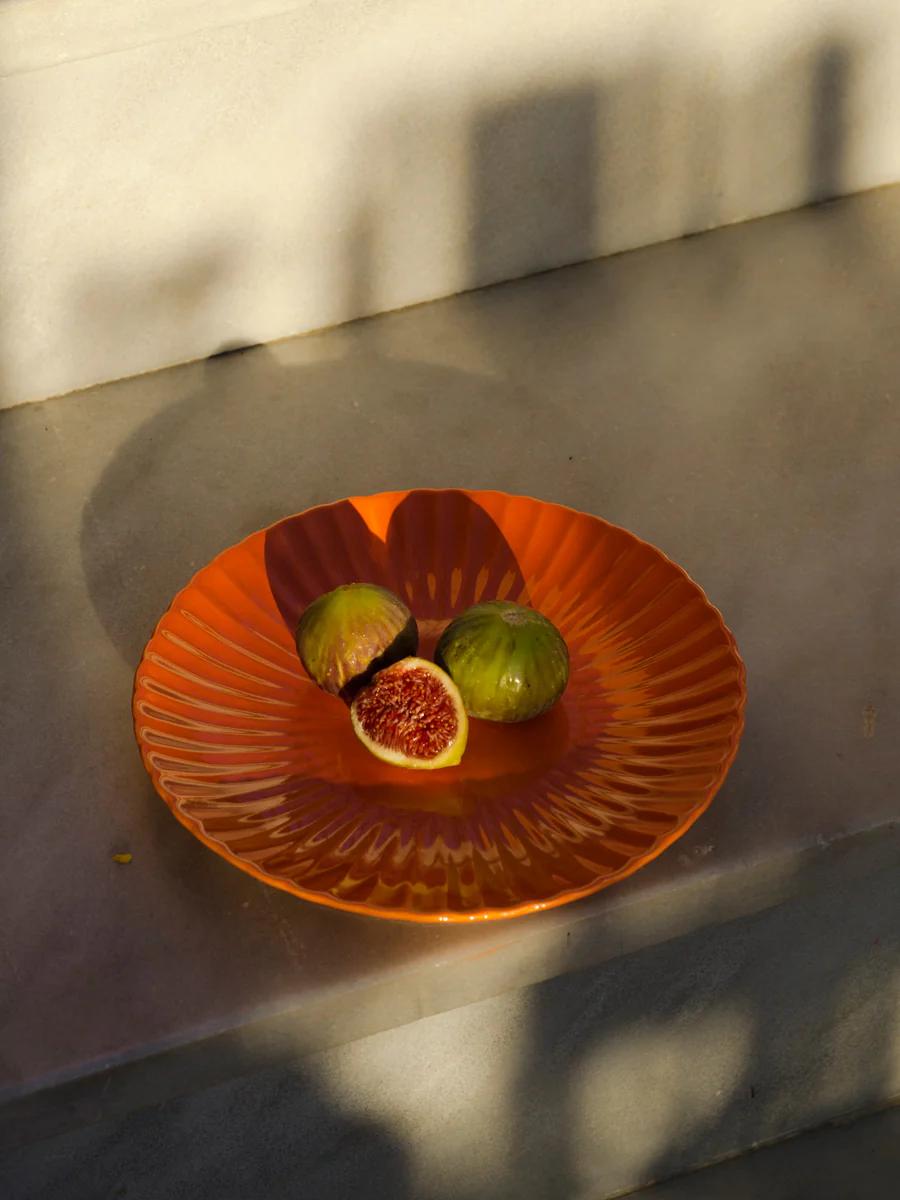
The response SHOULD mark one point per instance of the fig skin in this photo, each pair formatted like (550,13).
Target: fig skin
(509,662)
(345,636)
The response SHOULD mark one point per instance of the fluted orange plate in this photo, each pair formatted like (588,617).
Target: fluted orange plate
(265,769)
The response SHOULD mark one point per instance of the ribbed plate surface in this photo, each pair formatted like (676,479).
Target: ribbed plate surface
(265,768)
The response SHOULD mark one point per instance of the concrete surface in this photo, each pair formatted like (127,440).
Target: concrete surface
(180,176)
(574,1089)
(731,397)
(838,1162)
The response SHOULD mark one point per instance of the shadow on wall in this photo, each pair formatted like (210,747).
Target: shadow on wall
(541,147)
(832,87)
(314,424)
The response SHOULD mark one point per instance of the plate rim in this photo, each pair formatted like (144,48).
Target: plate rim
(566,896)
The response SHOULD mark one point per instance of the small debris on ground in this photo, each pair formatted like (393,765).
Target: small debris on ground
(122,858)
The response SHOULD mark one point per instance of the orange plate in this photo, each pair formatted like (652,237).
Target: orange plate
(265,769)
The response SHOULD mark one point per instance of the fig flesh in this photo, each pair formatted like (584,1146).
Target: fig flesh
(412,715)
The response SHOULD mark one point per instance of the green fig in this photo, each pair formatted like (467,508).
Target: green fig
(509,662)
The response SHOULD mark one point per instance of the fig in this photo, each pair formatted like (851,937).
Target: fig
(412,715)
(509,662)
(344,637)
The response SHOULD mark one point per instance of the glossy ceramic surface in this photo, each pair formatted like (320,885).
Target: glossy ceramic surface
(265,768)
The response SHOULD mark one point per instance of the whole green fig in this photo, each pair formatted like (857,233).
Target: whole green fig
(509,662)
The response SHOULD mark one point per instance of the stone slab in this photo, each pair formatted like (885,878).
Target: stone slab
(732,398)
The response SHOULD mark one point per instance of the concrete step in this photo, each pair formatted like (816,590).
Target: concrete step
(730,397)
(578,1088)
(859,1160)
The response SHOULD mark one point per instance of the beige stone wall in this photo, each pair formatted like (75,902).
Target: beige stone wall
(179,177)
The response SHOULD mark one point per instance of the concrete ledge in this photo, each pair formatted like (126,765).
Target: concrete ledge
(579,1088)
(858,1158)
(572,942)
(729,397)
